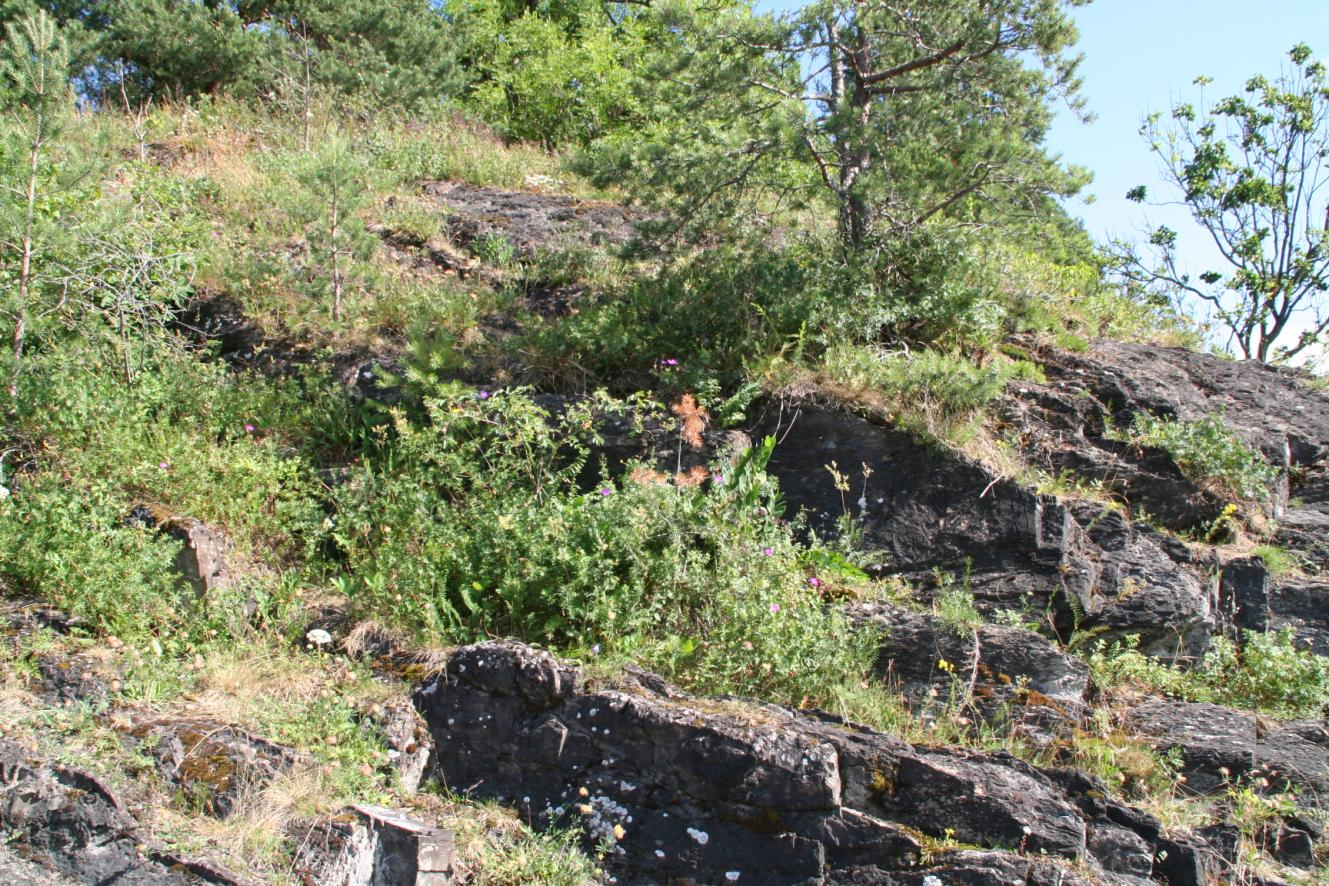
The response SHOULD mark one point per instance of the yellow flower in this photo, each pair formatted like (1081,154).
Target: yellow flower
(619,833)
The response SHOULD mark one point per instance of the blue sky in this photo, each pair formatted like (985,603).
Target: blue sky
(1140,55)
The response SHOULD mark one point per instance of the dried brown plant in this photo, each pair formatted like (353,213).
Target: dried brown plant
(694,419)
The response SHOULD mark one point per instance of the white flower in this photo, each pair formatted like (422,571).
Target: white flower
(319,637)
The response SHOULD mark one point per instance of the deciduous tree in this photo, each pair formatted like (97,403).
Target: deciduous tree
(1252,171)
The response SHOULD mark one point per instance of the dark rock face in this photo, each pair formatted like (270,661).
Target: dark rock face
(1064,424)
(1220,746)
(1003,673)
(69,679)
(1217,744)
(213,763)
(1085,566)
(70,821)
(529,221)
(1251,599)
(1304,525)
(1274,410)
(726,792)
(408,740)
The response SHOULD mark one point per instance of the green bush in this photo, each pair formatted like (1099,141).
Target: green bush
(470,523)
(1266,672)
(1208,452)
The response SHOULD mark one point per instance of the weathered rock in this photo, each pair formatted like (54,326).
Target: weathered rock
(1217,744)
(1300,606)
(1251,599)
(408,740)
(687,788)
(368,845)
(1274,410)
(66,679)
(1221,747)
(202,562)
(1304,525)
(1295,756)
(1084,566)
(20,617)
(1004,673)
(530,222)
(68,820)
(213,763)
(1064,426)
(967,868)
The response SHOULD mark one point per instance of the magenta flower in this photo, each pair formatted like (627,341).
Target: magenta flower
(775,607)
(768,552)
(165,465)
(483,395)
(718,478)
(606,491)
(249,429)
(814,582)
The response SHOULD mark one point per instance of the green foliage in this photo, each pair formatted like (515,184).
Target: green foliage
(394,52)
(929,392)
(1279,561)
(449,147)
(886,142)
(1208,452)
(711,314)
(702,582)
(334,180)
(73,549)
(182,436)
(1251,169)
(1266,672)
(555,74)
(177,48)
(36,102)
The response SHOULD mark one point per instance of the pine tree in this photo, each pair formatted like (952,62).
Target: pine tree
(34,89)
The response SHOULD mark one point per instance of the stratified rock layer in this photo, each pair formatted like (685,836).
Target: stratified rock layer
(699,790)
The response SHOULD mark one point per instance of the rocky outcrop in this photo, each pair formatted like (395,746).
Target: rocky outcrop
(530,222)
(1084,568)
(1005,674)
(212,763)
(368,845)
(70,821)
(1220,747)
(204,560)
(1253,600)
(686,788)
(1064,425)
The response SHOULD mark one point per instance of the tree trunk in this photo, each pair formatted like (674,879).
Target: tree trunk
(25,267)
(336,264)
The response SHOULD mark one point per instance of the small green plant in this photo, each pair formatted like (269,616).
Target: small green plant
(1266,672)
(1208,452)
(1279,561)
(954,605)
(495,249)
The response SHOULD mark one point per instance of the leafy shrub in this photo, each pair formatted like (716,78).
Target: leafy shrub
(712,314)
(471,523)
(72,549)
(1208,452)
(927,391)
(1266,672)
